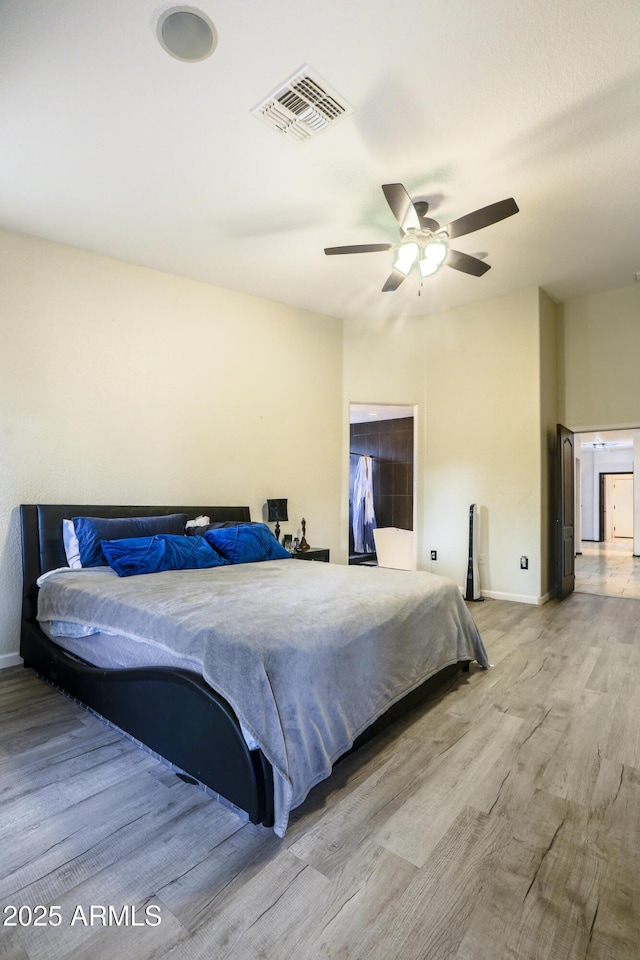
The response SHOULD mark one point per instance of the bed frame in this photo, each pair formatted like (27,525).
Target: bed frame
(163,708)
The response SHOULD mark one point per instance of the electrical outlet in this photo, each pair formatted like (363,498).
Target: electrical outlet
(524,563)
(434,554)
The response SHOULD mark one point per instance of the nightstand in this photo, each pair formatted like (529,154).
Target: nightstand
(313,553)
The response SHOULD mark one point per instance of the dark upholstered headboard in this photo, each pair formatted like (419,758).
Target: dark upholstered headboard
(43,547)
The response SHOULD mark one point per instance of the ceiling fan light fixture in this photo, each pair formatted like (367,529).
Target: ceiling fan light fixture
(407,255)
(428,267)
(424,240)
(436,251)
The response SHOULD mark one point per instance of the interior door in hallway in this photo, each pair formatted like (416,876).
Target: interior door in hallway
(565,507)
(622,503)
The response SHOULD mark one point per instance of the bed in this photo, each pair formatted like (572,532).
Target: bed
(243,675)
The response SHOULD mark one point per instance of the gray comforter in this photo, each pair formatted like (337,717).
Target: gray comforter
(307,654)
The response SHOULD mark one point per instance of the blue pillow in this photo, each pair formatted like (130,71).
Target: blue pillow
(246,543)
(91,530)
(216,525)
(135,555)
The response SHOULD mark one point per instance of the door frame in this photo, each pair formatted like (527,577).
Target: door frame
(565,512)
(602,495)
(397,409)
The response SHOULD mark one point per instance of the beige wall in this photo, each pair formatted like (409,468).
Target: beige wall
(483,441)
(120,384)
(383,362)
(474,374)
(600,346)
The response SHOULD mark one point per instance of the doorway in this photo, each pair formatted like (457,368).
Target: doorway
(605,562)
(616,507)
(382,443)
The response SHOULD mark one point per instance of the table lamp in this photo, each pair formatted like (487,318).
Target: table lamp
(277,511)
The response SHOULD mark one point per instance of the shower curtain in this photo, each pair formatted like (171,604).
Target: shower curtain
(364,516)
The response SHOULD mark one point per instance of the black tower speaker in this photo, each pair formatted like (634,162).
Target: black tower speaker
(473,571)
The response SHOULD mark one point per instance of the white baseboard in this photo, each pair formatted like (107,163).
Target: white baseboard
(10,660)
(516,597)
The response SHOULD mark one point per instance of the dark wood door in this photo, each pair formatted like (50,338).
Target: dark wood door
(565,506)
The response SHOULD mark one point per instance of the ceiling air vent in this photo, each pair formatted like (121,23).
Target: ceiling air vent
(302,106)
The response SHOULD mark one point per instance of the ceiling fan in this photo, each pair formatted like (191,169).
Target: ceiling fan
(424,241)
(599,444)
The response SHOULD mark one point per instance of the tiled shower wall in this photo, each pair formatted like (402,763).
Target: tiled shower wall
(390,444)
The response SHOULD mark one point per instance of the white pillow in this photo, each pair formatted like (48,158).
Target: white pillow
(198,522)
(71,545)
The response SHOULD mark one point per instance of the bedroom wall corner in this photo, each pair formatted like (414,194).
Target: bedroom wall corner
(549,417)
(121,384)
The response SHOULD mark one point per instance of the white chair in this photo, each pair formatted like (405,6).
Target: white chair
(395,548)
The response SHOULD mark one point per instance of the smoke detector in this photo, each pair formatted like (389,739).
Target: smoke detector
(302,106)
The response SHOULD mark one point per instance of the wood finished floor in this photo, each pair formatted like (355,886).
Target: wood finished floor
(501,822)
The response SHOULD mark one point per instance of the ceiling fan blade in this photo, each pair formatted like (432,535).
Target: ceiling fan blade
(359,248)
(482,218)
(467,264)
(401,206)
(394,280)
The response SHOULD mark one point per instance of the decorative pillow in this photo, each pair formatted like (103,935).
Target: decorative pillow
(71,547)
(246,543)
(201,529)
(91,530)
(136,555)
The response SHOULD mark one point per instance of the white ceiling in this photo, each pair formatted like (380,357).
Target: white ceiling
(363,412)
(613,440)
(112,145)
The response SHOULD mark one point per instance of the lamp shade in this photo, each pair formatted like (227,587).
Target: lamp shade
(436,251)
(277,510)
(407,256)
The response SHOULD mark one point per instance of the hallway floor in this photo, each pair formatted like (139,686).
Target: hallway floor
(609,569)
